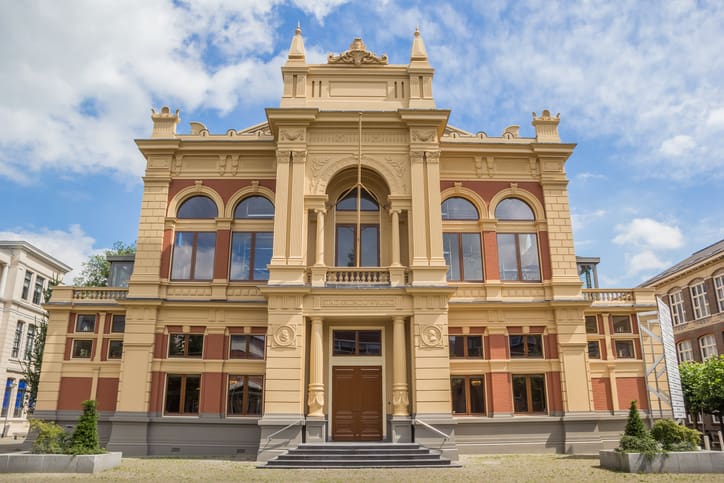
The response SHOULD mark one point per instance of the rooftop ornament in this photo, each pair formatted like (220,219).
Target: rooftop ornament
(357,55)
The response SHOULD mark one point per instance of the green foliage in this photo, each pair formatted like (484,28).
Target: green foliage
(675,437)
(51,438)
(636,444)
(85,436)
(691,382)
(96,270)
(703,385)
(634,426)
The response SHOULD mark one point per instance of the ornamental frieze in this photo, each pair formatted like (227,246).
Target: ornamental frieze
(357,55)
(321,169)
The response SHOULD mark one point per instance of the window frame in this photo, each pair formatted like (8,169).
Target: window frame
(466,346)
(709,350)
(251,275)
(681,349)
(17,339)
(108,354)
(460,259)
(445,211)
(509,199)
(526,346)
(192,261)
(74,349)
(467,385)
(38,290)
(519,269)
(247,345)
(262,216)
(699,300)
(27,283)
(245,396)
(629,342)
(182,395)
(628,321)
(529,393)
(362,227)
(77,325)
(335,353)
(113,324)
(184,203)
(587,318)
(676,303)
(719,289)
(186,345)
(29,341)
(598,349)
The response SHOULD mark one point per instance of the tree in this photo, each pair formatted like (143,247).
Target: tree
(634,425)
(85,436)
(96,270)
(703,386)
(691,380)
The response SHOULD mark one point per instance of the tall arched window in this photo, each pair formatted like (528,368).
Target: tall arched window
(517,250)
(357,229)
(252,240)
(193,250)
(461,240)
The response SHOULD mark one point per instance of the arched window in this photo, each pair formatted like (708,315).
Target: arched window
(462,249)
(357,237)
(254,207)
(197,207)
(513,209)
(348,202)
(459,209)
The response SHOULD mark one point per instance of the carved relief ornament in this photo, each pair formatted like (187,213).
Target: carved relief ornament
(357,55)
(291,134)
(431,336)
(285,336)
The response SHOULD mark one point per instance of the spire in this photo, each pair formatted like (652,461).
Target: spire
(418,54)
(296,50)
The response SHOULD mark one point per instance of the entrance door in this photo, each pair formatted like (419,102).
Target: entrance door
(357,403)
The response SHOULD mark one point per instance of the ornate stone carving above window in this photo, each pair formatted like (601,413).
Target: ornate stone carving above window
(357,55)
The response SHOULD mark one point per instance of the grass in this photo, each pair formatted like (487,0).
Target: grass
(504,468)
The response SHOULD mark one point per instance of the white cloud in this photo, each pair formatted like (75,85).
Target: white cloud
(579,220)
(716,118)
(648,233)
(585,176)
(677,146)
(645,261)
(318,8)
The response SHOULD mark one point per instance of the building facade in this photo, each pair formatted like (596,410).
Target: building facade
(353,268)
(25,274)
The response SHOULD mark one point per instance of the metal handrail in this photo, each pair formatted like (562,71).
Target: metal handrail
(268,438)
(446,436)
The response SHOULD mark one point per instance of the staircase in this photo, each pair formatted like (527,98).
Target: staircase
(359,455)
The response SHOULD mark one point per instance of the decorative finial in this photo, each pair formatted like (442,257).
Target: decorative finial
(417,30)
(296,50)
(418,54)
(299,29)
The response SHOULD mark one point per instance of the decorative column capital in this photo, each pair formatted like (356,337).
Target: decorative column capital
(283,156)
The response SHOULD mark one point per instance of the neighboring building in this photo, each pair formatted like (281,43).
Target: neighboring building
(694,291)
(25,273)
(352,269)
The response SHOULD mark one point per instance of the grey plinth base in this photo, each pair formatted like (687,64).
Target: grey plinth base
(683,462)
(400,429)
(316,429)
(129,434)
(58,463)
(278,434)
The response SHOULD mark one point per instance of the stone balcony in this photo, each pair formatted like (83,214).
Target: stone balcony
(616,297)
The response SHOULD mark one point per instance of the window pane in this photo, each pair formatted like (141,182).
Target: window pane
(457,387)
(82,348)
(254,395)
(475,346)
(349,202)
(85,323)
(205,247)
(345,246)
(182,251)
(176,344)
(254,207)
(344,342)
(477,397)
(197,207)
(256,347)
(520,395)
(529,265)
(192,394)
(262,255)
(196,345)
(591,324)
(240,256)
(370,342)
(622,324)
(594,350)
(538,393)
(472,257)
(535,345)
(452,255)
(173,394)
(115,349)
(458,209)
(624,349)
(517,346)
(118,324)
(513,209)
(238,347)
(370,249)
(456,345)
(507,257)
(235,401)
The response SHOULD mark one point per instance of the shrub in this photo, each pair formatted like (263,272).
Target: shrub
(634,425)
(639,444)
(85,436)
(51,438)
(675,437)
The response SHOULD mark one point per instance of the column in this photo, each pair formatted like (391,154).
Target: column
(395,237)
(316,370)
(400,399)
(3,279)
(320,237)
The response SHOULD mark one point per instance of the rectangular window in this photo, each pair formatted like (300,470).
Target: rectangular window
(464,256)
(677,308)
(686,352)
(82,348)
(182,394)
(707,344)
(346,241)
(624,349)
(246,347)
(462,346)
(622,324)
(26,285)
(591,324)
(185,345)
(193,256)
(20,399)
(518,257)
(245,396)
(594,349)
(699,300)
(529,394)
(529,345)
(85,323)
(29,342)
(719,286)
(118,323)
(357,342)
(17,339)
(468,395)
(251,252)
(38,292)
(115,349)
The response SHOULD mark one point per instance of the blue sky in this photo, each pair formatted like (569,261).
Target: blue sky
(639,86)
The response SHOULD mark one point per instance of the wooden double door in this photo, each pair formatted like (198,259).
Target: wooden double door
(357,403)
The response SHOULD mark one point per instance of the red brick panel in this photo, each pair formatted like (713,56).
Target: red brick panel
(454,330)
(637,349)
(195,329)
(214,346)
(97,324)
(545,255)
(107,393)
(157,390)
(711,295)
(555,396)
(634,323)
(602,400)
(104,350)
(159,345)
(73,391)
(486,348)
(107,324)
(71,322)
(502,393)
(165,270)
(258,330)
(490,255)
(551,346)
(488,189)
(212,393)
(601,322)
(477,330)
(604,349)
(236,330)
(221,257)
(498,346)
(68,348)
(536,329)
(515,330)
(630,389)
(224,187)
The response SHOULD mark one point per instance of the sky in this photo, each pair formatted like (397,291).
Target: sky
(639,86)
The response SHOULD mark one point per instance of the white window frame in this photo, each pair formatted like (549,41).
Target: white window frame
(676,302)
(707,346)
(685,351)
(699,301)
(719,287)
